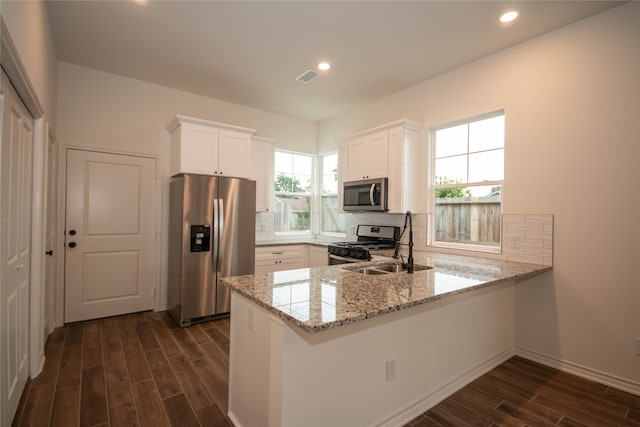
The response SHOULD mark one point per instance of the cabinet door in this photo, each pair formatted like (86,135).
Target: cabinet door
(233,154)
(357,158)
(318,256)
(260,170)
(368,157)
(198,148)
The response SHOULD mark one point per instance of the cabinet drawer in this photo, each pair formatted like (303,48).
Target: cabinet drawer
(266,266)
(279,252)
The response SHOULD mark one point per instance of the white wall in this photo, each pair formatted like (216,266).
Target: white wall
(28,24)
(102,110)
(572,102)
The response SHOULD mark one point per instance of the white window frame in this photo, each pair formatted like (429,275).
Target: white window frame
(318,196)
(313,192)
(432,187)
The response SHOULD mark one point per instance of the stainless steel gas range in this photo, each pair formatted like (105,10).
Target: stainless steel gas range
(370,238)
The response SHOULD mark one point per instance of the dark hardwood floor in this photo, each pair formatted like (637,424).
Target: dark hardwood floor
(142,369)
(520,392)
(131,370)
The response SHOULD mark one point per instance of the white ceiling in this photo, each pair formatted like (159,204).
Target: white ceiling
(250,53)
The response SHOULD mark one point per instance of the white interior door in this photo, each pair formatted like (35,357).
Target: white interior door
(110,254)
(15,252)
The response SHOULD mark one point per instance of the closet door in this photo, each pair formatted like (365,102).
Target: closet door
(15,248)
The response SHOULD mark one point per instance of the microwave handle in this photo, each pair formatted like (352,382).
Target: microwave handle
(371,191)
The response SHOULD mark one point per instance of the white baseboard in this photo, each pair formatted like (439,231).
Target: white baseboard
(233,419)
(432,398)
(581,371)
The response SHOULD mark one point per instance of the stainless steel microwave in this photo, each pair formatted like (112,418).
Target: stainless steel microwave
(365,195)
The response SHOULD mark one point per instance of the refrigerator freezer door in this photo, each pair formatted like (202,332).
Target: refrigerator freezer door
(237,222)
(198,277)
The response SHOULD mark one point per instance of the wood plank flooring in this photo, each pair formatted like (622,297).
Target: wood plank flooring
(520,392)
(141,369)
(136,370)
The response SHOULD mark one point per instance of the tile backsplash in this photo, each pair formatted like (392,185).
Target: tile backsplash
(525,238)
(528,238)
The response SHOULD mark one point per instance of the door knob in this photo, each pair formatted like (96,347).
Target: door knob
(49,252)
(72,232)
(72,244)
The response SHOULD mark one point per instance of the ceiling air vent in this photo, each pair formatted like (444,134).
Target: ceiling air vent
(307,76)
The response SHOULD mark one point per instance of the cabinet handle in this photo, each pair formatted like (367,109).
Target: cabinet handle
(277,253)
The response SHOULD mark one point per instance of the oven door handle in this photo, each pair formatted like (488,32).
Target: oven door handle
(341,258)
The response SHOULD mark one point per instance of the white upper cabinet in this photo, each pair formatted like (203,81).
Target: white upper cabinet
(407,171)
(396,152)
(209,148)
(368,156)
(261,170)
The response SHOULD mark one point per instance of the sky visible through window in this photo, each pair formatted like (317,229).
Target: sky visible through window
(471,153)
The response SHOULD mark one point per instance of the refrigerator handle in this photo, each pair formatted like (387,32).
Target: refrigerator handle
(215,235)
(220,230)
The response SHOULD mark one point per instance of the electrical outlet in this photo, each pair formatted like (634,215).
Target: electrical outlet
(391,370)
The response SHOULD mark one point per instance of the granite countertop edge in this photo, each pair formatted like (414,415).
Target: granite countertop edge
(313,328)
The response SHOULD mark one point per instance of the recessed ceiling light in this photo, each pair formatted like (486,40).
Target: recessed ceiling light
(324,66)
(509,16)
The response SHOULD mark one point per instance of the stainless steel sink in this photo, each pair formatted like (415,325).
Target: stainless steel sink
(391,268)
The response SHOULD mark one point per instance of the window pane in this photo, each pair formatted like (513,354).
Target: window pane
(468,215)
(292,213)
(302,183)
(330,165)
(329,184)
(301,164)
(292,192)
(486,134)
(283,162)
(452,169)
(451,141)
(332,220)
(486,166)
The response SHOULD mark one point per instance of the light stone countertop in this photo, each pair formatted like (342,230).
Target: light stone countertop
(295,240)
(320,298)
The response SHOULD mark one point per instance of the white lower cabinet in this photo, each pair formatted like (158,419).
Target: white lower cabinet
(318,256)
(277,258)
(290,257)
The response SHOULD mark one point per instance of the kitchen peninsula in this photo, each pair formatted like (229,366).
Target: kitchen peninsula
(332,346)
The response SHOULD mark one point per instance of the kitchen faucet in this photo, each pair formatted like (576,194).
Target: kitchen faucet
(409,264)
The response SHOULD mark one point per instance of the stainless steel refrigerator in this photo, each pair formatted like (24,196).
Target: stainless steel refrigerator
(211,235)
